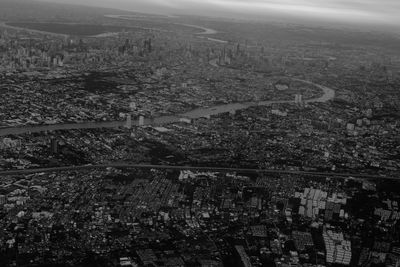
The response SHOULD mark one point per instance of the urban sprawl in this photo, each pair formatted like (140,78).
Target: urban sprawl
(168,92)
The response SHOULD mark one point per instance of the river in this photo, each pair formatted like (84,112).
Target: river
(162,120)
(329,94)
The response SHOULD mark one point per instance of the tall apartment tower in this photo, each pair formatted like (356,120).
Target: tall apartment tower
(141,120)
(298,99)
(128,123)
(3,199)
(54,145)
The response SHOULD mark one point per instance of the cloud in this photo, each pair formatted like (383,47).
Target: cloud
(362,11)
(352,10)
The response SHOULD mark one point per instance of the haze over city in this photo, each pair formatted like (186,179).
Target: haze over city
(359,12)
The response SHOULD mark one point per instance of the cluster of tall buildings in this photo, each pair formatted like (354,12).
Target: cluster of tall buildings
(315,202)
(27,51)
(338,250)
(23,51)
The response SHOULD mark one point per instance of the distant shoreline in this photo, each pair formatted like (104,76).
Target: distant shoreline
(5,25)
(61,29)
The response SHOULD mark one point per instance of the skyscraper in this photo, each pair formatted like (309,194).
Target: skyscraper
(298,99)
(3,199)
(54,146)
(141,120)
(128,123)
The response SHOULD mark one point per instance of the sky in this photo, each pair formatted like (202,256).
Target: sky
(382,12)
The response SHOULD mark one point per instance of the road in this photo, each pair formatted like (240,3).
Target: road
(197,113)
(193,168)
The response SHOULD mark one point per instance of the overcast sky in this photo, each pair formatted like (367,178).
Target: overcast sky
(355,11)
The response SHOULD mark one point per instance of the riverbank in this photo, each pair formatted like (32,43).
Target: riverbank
(329,94)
